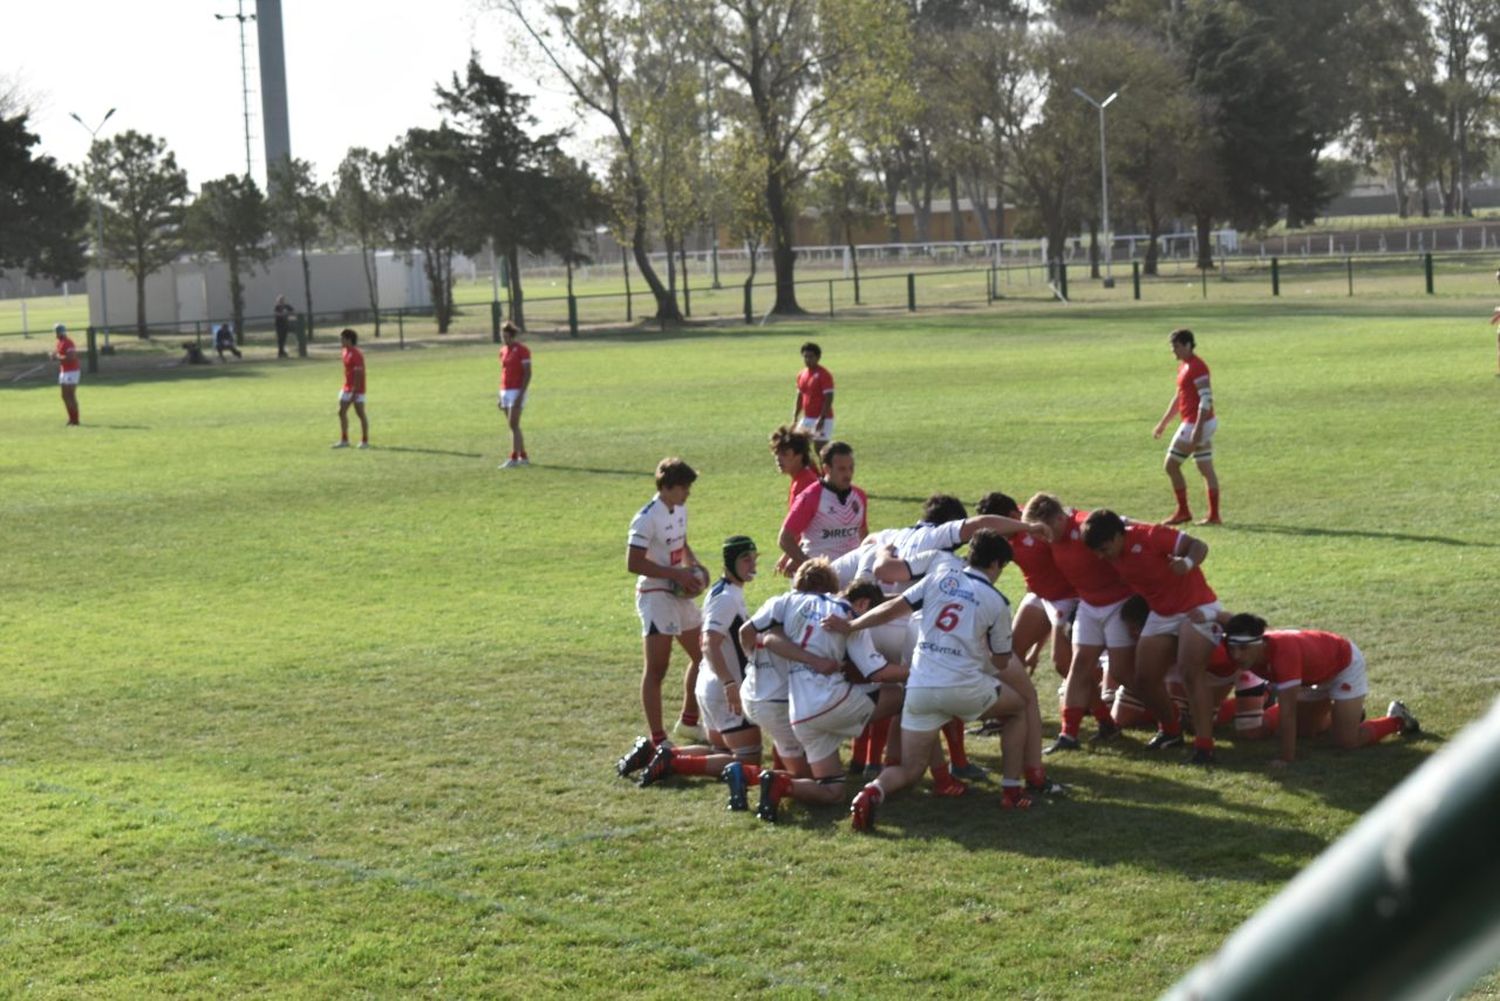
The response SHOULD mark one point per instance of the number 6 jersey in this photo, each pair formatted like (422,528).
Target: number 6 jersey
(964,620)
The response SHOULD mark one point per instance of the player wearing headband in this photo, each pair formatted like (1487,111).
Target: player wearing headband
(1194,403)
(719,688)
(657,550)
(1319,676)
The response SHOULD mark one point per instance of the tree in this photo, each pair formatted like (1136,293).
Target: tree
(592,45)
(846,198)
(143,193)
(426,176)
(799,65)
(229,218)
(358,210)
(298,208)
(42,218)
(1467,36)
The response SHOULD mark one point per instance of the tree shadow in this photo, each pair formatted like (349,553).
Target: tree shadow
(1300,531)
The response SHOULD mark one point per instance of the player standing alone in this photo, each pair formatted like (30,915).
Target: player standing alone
(814,407)
(353,391)
(66,355)
(1194,403)
(515,379)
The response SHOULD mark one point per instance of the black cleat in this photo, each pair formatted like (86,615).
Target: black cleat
(1409,722)
(659,768)
(1062,743)
(772,787)
(638,758)
(733,776)
(1201,756)
(1164,740)
(1108,733)
(1047,788)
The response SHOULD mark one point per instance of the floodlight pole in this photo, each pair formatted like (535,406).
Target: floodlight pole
(99,227)
(1109,278)
(242,17)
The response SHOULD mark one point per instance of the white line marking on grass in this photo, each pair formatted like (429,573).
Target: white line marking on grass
(359,872)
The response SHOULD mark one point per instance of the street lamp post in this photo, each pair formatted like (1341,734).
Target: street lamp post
(99,229)
(1109,277)
(242,17)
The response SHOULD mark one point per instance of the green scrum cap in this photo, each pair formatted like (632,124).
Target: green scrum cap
(734,547)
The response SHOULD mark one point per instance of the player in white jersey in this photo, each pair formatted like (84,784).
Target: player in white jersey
(829,518)
(964,630)
(658,551)
(826,706)
(719,687)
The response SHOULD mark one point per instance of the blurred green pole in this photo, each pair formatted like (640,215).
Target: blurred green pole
(1427,259)
(1135,279)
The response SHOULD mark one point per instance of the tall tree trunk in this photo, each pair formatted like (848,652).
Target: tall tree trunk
(236,297)
(513,277)
(307,294)
(1153,247)
(853,256)
(892,185)
(367,261)
(1093,247)
(979,197)
(1204,224)
(140,299)
(953,210)
(783,257)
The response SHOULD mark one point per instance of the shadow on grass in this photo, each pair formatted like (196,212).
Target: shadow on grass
(429,451)
(1301,531)
(594,470)
(118,427)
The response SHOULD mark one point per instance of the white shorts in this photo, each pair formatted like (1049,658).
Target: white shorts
(1101,625)
(775,717)
(1185,434)
(825,733)
(1061,613)
(810,423)
(713,703)
(512,398)
(1164,625)
(68,378)
(893,641)
(1350,683)
(347,397)
(667,614)
(928,709)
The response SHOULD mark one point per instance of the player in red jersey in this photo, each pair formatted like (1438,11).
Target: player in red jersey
(515,379)
(65,353)
(829,518)
(813,410)
(353,391)
(1097,626)
(1322,675)
(1194,403)
(1161,564)
(1050,602)
(793,449)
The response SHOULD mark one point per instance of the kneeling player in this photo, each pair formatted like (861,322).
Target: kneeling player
(965,626)
(718,689)
(827,707)
(1320,676)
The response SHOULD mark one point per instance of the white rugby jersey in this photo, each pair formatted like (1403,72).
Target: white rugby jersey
(827,525)
(964,620)
(662,533)
(812,693)
(724,612)
(765,676)
(908,542)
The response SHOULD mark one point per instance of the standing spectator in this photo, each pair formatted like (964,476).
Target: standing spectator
(66,356)
(1194,403)
(353,391)
(814,407)
(284,313)
(224,341)
(515,378)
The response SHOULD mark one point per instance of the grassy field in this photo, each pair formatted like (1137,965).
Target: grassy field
(280,720)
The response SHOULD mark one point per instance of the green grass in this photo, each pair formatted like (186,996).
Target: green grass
(286,721)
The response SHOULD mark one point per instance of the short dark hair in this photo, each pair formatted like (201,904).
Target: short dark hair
(810,346)
(943,508)
(351,334)
(1101,526)
(1182,335)
(834,449)
(989,547)
(673,472)
(866,588)
(1135,611)
(995,502)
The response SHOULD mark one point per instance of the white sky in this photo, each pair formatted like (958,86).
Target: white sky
(359,73)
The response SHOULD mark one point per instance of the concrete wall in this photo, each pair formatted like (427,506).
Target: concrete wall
(190,292)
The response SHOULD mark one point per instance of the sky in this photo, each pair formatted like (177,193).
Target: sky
(359,73)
